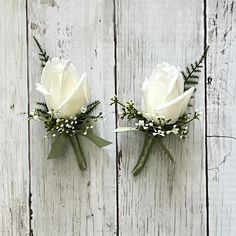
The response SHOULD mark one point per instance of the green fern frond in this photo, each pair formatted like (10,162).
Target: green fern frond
(92,106)
(43,57)
(43,105)
(40,111)
(191,75)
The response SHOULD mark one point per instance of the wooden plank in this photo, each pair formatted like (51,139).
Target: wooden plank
(66,201)
(13,120)
(162,200)
(221,102)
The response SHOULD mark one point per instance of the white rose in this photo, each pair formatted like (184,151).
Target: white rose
(65,92)
(163,94)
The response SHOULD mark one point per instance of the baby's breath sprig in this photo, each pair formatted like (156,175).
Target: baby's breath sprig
(128,109)
(157,129)
(69,126)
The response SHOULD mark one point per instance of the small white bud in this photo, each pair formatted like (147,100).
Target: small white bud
(83,109)
(141,122)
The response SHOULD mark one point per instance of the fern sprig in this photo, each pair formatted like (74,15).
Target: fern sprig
(92,106)
(43,105)
(191,75)
(43,56)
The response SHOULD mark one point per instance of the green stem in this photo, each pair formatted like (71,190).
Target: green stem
(78,152)
(166,150)
(144,155)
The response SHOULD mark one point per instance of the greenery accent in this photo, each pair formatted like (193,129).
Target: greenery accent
(43,57)
(144,155)
(92,106)
(68,126)
(160,129)
(153,129)
(191,75)
(99,142)
(71,127)
(78,152)
(57,147)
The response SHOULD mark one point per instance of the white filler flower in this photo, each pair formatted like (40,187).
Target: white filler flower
(163,94)
(64,90)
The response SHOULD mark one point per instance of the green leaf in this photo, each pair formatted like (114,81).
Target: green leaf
(100,142)
(57,147)
(169,155)
(124,129)
(192,82)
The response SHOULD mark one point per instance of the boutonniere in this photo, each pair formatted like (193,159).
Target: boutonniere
(67,111)
(166,96)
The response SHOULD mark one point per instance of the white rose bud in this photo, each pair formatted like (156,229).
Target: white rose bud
(65,92)
(163,94)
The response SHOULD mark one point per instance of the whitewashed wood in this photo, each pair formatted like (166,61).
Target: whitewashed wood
(221,103)
(66,202)
(14,214)
(162,200)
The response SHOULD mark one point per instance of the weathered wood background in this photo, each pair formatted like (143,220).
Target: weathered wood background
(118,42)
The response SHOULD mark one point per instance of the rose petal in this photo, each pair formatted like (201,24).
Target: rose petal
(69,79)
(46,94)
(175,108)
(176,86)
(162,86)
(79,97)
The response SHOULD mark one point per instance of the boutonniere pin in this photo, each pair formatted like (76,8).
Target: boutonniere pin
(67,111)
(166,96)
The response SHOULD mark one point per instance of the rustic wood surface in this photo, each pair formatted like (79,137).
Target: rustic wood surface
(118,43)
(164,199)
(14,168)
(221,125)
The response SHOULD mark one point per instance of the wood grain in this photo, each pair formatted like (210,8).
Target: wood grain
(118,43)
(14,169)
(163,199)
(66,201)
(221,107)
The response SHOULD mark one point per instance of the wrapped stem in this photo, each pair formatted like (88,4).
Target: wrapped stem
(78,152)
(144,155)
